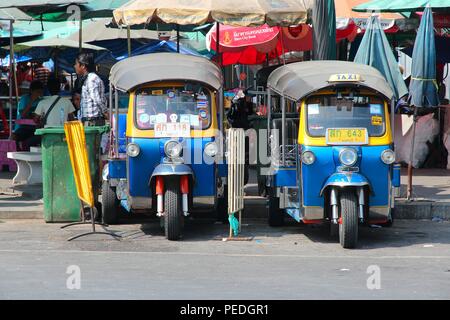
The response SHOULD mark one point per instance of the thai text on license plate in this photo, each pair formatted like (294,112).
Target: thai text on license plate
(172,130)
(347,136)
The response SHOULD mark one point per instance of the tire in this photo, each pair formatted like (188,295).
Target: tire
(348,228)
(275,214)
(173,217)
(222,207)
(110,204)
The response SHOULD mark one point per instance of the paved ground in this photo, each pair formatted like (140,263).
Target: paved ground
(294,262)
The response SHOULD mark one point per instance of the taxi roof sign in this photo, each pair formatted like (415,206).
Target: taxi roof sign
(345,77)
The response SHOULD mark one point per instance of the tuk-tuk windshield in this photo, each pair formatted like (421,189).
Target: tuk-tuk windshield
(188,104)
(344,111)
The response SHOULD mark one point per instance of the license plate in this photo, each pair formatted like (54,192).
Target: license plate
(172,130)
(347,136)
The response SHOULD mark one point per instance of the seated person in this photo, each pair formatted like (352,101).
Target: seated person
(76,99)
(25,109)
(53,111)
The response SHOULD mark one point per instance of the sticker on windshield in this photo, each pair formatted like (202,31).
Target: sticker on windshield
(157,92)
(203,114)
(144,118)
(171,94)
(152,120)
(185,118)
(375,109)
(202,96)
(161,118)
(173,117)
(313,109)
(377,121)
(202,104)
(195,121)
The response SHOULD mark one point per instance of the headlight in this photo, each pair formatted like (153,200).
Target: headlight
(308,157)
(211,149)
(388,156)
(348,157)
(133,150)
(173,148)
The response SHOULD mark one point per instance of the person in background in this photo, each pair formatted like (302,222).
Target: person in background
(53,111)
(25,109)
(93,104)
(41,73)
(76,99)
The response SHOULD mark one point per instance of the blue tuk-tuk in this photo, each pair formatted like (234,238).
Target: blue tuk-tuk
(166,150)
(332,152)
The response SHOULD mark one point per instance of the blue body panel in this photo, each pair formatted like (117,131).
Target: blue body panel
(117,169)
(285,177)
(371,169)
(141,168)
(122,132)
(396,175)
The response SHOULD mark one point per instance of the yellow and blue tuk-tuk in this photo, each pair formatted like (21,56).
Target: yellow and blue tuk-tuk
(332,152)
(165,149)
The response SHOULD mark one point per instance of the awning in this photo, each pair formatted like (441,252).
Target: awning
(129,73)
(298,80)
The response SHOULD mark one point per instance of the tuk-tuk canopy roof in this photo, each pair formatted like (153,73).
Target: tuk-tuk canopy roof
(129,73)
(297,80)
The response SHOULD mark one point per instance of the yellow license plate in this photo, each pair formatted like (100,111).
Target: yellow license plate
(347,136)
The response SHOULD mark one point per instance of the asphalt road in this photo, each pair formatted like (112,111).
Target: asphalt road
(408,261)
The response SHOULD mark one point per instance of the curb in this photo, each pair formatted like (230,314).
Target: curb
(22,215)
(256,209)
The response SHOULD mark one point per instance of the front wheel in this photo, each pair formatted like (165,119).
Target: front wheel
(348,227)
(173,217)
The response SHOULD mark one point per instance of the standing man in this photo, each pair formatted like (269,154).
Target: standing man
(93,105)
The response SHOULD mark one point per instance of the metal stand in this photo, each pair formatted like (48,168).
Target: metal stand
(92,211)
(238,238)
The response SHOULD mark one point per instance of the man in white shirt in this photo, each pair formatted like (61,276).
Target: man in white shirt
(61,112)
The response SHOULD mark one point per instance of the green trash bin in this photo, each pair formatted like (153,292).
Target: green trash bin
(61,202)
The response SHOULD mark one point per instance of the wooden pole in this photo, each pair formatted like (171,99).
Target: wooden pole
(129,40)
(411,155)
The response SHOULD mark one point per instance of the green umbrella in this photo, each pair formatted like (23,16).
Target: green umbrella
(324,30)
(375,51)
(403,5)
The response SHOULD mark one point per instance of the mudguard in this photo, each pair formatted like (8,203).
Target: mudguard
(346,180)
(168,169)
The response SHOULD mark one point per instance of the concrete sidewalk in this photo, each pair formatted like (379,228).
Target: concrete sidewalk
(431,191)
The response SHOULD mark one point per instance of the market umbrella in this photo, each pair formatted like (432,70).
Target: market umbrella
(375,51)
(324,30)
(98,31)
(390,22)
(423,89)
(55,42)
(196,12)
(252,45)
(402,5)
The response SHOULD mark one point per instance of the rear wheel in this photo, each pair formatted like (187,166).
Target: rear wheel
(173,217)
(276,215)
(110,204)
(348,228)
